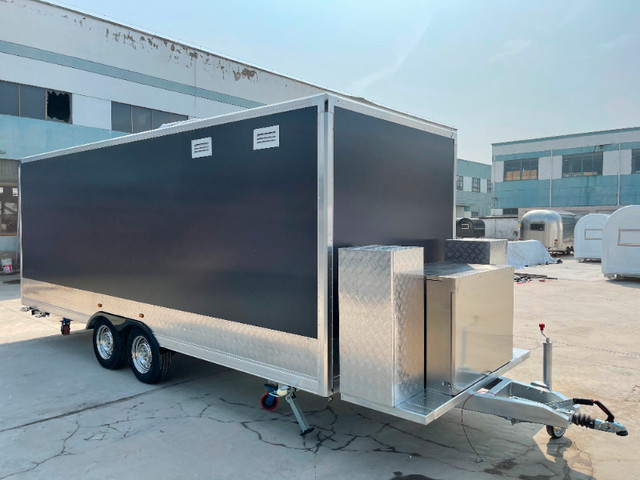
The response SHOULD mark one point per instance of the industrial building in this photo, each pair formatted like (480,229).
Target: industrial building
(68,78)
(473,189)
(595,172)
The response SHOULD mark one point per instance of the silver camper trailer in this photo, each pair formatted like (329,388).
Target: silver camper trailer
(279,248)
(553,229)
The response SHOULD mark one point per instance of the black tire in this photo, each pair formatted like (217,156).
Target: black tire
(269,402)
(149,362)
(556,432)
(108,345)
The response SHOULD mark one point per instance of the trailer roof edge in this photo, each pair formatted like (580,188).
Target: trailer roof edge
(314,100)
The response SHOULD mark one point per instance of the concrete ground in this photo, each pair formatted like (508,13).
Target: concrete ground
(63,416)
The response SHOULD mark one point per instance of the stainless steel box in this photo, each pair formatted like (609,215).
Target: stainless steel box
(469,323)
(478,250)
(381,292)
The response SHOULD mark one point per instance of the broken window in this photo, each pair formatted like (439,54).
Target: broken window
(34,102)
(58,106)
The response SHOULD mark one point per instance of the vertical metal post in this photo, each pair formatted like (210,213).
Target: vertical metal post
(547,362)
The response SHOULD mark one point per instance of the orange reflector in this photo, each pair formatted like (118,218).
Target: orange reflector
(141,315)
(99,305)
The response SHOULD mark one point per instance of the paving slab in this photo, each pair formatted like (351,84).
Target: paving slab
(63,416)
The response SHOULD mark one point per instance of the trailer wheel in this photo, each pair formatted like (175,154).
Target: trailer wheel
(268,402)
(147,360)
(556,432)
(108,345)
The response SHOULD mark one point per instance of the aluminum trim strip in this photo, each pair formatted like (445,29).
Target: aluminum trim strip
(396,117)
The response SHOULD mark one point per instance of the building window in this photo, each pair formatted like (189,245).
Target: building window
(8,209)
(132,119)
(459,182)
(475,184)
(509,211)
(523,169)
(34,102)
(489,186)
(635,160)
(582,164)
(474,214)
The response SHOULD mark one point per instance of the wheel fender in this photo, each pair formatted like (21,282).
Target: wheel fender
(118,322)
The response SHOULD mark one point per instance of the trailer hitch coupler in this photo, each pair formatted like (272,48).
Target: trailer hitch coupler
(608,425)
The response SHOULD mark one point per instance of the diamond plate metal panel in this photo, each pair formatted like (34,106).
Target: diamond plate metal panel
(381,305)
(487,251)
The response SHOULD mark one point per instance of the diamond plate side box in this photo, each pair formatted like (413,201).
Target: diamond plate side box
(381,295)
(484,251)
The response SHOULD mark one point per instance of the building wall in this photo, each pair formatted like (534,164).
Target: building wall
(99,61)
(469,203)
(615,187)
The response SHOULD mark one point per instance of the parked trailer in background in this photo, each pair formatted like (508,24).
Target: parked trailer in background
(588,237)
(469,228)
(505,227)
(621,243)
(553,229)
(262,240)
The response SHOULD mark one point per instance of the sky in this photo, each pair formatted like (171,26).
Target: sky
(496,70)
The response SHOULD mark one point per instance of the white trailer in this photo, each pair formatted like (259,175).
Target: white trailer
(621,243)
(506,227)
(588,237)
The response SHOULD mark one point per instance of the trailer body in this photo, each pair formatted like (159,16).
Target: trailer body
(588,237)
(553,229)
(506,227)
(621,243)
(220,234)
(469,228)
(239,240)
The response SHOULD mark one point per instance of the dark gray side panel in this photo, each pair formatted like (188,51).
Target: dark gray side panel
(232,236)
(393,185)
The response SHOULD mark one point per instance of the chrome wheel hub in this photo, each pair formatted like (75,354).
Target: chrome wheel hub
(141,354)
(104,342)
